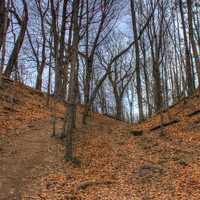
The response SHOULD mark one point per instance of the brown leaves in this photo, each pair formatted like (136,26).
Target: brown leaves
(114,164)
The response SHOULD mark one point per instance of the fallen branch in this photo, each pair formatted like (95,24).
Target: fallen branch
(86,184)
(165,124)
(194,113)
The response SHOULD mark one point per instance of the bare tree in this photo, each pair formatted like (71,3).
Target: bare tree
(22,21)
(137,57)
(71,109)
(188,65)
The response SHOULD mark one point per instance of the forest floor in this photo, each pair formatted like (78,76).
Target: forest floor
(114,163)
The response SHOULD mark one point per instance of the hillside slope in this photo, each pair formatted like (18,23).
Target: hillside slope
(115,164)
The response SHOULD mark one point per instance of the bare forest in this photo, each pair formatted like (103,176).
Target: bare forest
(99,99)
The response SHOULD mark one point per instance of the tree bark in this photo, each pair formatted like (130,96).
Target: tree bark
(71,110)
(119,109)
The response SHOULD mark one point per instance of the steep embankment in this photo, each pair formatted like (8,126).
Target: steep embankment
(115,165)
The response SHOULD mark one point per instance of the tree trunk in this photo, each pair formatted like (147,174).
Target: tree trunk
(14,55)
(43,62)
(119,109)
(157,87)
(3,31)
(58,77)
(2,20)
(187,53)
(62,49)
(39,76)
(87,90)
(137,57)
(191,36)
(71,110)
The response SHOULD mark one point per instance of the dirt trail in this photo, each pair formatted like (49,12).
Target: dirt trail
(21,157)
(31,154)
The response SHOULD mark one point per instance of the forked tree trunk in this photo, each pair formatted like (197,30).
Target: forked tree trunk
(17,47)
(41,66)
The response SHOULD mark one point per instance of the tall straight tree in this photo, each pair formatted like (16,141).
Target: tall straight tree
(189,77)
(61,50)
(58,80)
(137,61)
(156,44)
(71,109)
(191,37)
(2,20)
